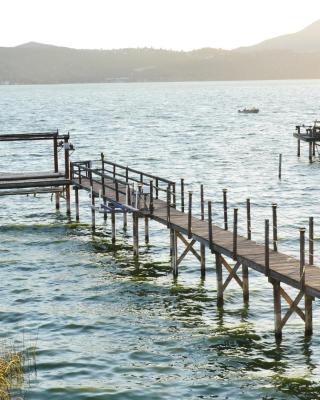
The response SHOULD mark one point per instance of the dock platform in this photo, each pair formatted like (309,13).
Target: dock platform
(145,196)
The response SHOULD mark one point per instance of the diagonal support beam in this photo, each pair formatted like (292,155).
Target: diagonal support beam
(186,251)
(232,275)
(292,309)
(185,241)
(232,272)
(292,304)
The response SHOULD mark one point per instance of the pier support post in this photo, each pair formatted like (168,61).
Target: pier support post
(235,234)
(311,238)
(266,248)
(225,209)
(190,215)
(174,252)
(182,194)
(146,230)
(277,309)
(219,280)
(113,226)
(308,315)
(57,201)
(77,203)
(313,149)
(67,172)
(298,148)
(202,246)
(103,186)
(203,260)
(245,284)
(125,221)
(310,151)
(248,219)
(135,234)
(280,166)
(56,166)
(210,233)
(171,242)
(93,211)
(275,227)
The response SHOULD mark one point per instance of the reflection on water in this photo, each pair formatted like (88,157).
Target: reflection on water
(112,326)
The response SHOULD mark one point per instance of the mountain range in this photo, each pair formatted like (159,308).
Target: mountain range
(292,56)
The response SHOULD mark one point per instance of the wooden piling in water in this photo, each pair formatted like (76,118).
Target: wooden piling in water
(113,226)
(219,280)
(248,219)
(93,211)
(311,241)
(202,246)
(275,227)
(105,214)
(56,166)
(267,250)
(277,308)
(182,194)
(190,215)
(210,226)
(168,206)
(174,252)
(310,151)
(77,203)
(245,284)
(135,225)
(146,230)
(280,166)
(67,172)
(235,233)
(225,209)
(308,315)
(302,257)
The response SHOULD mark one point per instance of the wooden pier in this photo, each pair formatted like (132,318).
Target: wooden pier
(56,181)
(119,190)
(309,134)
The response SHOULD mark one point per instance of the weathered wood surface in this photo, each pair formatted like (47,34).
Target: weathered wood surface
(32,180)
(30,191)
(314,137)
(283,268)
(18,176)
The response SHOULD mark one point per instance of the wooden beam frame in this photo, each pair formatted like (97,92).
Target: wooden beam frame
(232,275)
(176,259)
(189,248)
(306,315)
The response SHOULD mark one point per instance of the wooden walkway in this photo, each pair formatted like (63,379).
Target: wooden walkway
(284,268)
(126,190)
(122,190)
(55,181)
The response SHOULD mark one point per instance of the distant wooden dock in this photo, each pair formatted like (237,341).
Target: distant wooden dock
(56,181)
(120,190)
(309,134)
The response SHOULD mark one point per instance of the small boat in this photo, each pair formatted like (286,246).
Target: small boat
(252,110)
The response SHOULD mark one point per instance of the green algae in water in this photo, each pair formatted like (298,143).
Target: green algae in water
(300,388)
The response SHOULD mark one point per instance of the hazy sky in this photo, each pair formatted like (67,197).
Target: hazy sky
(173,24)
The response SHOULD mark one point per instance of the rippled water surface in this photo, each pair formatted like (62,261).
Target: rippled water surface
(108,326)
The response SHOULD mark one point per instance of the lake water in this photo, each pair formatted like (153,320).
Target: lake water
(107,326)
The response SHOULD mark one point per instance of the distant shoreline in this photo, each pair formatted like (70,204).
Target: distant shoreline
(160,82)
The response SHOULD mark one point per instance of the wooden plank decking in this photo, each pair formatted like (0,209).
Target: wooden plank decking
(32,180)
(283,267)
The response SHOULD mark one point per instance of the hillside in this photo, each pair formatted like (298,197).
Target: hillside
(305,41)
(294,56)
